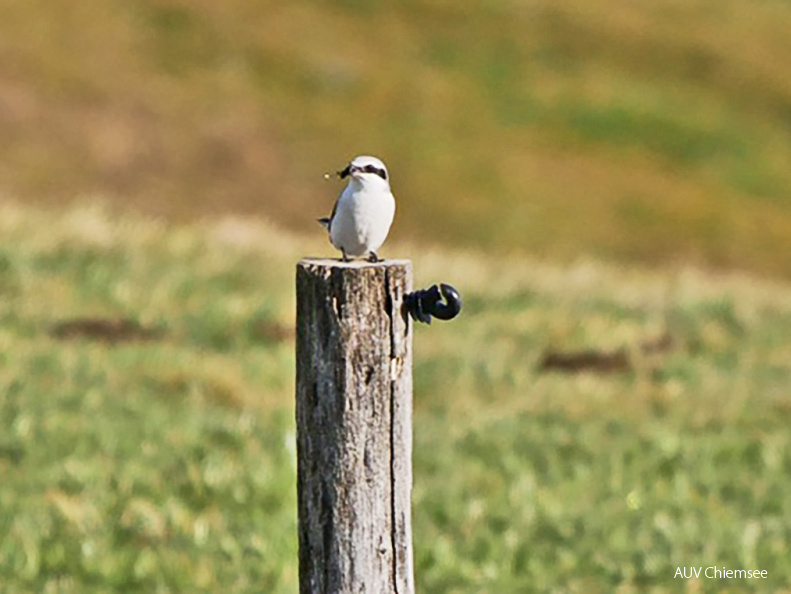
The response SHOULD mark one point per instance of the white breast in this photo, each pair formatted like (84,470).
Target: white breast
(362,220)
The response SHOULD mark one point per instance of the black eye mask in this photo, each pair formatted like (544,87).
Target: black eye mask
(367,169)
(374,169)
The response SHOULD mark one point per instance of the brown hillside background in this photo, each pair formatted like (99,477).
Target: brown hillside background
(653,131)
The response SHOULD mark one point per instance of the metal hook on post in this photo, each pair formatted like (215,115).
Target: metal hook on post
(424,304)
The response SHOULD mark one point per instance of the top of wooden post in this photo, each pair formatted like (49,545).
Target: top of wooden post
(361,263)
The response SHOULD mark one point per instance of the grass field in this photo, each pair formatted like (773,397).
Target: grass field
(158,455)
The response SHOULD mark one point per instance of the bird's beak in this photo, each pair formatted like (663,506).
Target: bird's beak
(346,172)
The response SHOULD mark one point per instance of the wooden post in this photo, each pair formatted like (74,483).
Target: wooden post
(354,427)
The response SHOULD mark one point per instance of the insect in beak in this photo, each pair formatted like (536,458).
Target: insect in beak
(341,174)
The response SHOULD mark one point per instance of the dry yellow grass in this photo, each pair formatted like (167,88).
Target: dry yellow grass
(653,132)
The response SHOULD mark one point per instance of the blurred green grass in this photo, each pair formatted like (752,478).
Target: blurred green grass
(657,132)
(167,464)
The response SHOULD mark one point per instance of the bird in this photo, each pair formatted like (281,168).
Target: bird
(364,211)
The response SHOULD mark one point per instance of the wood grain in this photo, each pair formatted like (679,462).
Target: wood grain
(354,427)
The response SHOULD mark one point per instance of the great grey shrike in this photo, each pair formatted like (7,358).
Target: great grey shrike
(364,211)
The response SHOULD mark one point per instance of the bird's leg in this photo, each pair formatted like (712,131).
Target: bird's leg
(345,257)
(372,257)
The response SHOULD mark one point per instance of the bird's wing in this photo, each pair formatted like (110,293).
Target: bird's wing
(327,221)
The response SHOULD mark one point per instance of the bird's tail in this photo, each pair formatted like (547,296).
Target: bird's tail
(324,222)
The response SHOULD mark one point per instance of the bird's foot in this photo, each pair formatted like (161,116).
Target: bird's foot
(344,257)
(372,257)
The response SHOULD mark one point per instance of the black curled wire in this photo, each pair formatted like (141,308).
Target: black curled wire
(424,304)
